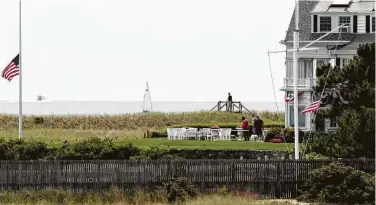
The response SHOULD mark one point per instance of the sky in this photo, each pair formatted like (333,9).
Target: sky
(106,50)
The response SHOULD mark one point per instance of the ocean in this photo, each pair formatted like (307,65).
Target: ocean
(119,107)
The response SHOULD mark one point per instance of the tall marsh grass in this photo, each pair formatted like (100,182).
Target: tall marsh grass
(116,197)
(131,121)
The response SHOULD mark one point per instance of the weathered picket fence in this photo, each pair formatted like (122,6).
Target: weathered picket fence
(267,178)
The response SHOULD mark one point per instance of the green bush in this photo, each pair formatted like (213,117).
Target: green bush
(95,148)
(180,189)
(104,149)
(228,125)
(22,150)
(152,152)
(339,184)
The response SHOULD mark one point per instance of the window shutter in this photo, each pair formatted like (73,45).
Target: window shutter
(368,30)
(315,23)
(338,61)
(355,24)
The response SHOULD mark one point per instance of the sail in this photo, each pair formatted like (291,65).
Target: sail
(147,105)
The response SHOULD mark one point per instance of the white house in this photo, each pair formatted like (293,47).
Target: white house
(315,19)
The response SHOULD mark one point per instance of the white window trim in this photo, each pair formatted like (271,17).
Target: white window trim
(351,23)
(341,62)
(289,109)
(319,23)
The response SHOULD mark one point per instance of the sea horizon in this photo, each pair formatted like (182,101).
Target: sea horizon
(121,107)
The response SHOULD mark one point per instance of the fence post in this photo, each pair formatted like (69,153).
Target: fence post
(233,173)
(278,191)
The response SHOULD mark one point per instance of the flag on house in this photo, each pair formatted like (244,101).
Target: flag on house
(312,107)
(12,69)
(290,96)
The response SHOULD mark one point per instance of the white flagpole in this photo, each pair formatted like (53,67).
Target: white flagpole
(20,78)
(295,73)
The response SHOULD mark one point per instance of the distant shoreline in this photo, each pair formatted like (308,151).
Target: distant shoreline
(93,108)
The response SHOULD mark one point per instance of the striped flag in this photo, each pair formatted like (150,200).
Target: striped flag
(312,107)
(290,96)
(12,69)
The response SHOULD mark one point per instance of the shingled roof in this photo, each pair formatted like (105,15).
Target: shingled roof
(356,41)
(305,9)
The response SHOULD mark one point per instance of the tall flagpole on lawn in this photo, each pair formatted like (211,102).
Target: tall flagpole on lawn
(295,73)
(20,78)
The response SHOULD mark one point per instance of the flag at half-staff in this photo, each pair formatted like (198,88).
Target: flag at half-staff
(13,69)
(312,107)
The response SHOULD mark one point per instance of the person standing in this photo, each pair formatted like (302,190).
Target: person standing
(245,127)
(229,102)
(259,124)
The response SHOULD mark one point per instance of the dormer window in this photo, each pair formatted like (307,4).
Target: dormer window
(325,23)
(347,21)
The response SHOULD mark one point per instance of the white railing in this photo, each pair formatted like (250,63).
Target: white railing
(302,83)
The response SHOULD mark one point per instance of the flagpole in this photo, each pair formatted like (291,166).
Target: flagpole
(20,78)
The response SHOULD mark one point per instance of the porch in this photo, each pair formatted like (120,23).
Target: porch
(304,84)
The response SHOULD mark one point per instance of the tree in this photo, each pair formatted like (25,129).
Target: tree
(353,106)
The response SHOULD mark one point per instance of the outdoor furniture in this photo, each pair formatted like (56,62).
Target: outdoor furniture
(170,134)
(206,133)
(253,138)
(191,133)
(214,134)
(223,134)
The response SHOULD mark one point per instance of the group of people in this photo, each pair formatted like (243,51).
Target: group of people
(257,125)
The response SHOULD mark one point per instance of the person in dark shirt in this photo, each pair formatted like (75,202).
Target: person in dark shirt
(229,102)
(259,124)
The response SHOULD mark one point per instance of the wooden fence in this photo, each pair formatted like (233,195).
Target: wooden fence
(267,178)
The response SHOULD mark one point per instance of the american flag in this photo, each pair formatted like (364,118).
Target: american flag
(12,69)
(290,96)
(312,107)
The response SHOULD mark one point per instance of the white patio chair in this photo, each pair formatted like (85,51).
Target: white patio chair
(240,133)
(170,134)
(175,133)
(228,134)
(206,133)
(221,134)
(182,134)
(191,133)
(214,134)
(264,134)
(224,134)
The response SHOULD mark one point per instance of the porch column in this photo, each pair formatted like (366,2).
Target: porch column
(314,67)
(287,115)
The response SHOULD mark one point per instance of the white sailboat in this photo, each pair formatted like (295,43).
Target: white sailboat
(146,104)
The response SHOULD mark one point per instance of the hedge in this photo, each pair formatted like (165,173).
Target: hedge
(104,149)
(228,125)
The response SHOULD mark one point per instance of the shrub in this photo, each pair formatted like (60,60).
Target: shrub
(339,184)
(227,125)
(104,149)
(273,133)
(153,152)
(22,150)
(93,148)
(180,189)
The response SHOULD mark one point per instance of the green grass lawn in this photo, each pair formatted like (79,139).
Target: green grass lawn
(55,137)
(201,144)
